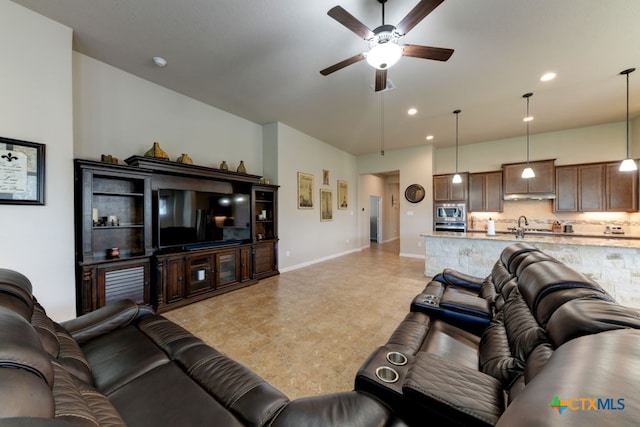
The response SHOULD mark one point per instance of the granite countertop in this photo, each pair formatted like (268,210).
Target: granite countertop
(611,240)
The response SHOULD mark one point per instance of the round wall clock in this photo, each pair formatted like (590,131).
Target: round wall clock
(414,193)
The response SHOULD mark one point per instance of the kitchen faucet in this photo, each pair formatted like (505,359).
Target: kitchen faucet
(526,222)
(520,230)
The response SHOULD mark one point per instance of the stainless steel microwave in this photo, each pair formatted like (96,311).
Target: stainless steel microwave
(450,212)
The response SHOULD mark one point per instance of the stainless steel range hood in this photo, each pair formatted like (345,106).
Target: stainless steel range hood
(530,196)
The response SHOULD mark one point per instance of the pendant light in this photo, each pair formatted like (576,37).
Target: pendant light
(628,164)
(457,179)
(528,173)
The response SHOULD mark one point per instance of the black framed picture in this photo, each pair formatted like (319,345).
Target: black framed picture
(21,172)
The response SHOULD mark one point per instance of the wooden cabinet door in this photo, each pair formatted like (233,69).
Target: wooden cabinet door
(174,284)
(227,268)
(264,260)
(543,182)
(477,192)
(485,192)
(591,188)
(545,179)
(621,189)
(444,190)
(246,264)
(458,192)
(199,271)
(441,188)
(512,178)
(566,189)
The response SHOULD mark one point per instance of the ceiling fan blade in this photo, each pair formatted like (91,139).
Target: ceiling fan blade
(427,52)
(381,80)
(340,65)
(351,22)
(417,14)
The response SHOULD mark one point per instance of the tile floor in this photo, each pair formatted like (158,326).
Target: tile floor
(308,331)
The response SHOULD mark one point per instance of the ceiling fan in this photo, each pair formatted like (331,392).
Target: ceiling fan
(384,50)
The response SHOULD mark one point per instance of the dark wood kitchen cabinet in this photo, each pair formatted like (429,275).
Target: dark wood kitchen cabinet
(542,184)
(620,189)
(485,192)
(595,187)
(444,190)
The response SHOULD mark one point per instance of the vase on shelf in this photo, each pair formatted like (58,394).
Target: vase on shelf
(184,159)
(241,167)
(224,166)
(156,152)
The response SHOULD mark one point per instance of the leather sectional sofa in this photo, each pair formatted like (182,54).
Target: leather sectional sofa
(534,343)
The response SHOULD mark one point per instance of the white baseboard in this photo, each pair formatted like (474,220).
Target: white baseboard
(406,255)
(316,261)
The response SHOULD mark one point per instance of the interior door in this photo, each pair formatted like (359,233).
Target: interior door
(375,232)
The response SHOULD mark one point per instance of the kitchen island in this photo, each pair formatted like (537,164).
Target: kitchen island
(613,262)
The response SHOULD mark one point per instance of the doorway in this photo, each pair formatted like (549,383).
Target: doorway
(375,221)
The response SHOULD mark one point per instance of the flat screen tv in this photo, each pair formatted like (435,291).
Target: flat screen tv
(192,219)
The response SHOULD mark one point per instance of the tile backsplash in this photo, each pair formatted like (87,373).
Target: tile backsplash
(540,214)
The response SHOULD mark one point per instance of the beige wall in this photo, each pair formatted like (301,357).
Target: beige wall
(120,114)
(583,145)
(416,167)
(304,239)
(35,82)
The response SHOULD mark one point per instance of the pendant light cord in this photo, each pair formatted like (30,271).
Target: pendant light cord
(457,112)
(628,143)
(382,124)
(528,131)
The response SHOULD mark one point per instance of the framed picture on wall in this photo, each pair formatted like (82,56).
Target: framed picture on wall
(326,205)
(343,195)
(305,191)
(21,172)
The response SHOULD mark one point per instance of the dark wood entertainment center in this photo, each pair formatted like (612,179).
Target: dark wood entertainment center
(117,251)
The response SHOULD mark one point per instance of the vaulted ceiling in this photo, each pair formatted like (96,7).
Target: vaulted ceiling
(261,60)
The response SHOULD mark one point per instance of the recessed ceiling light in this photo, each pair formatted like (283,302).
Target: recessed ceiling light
(429,137)
(412,111)
(160,61)
(548,76)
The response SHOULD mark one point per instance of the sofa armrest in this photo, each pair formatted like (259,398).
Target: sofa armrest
(338,409)
(453,392)
(105,319)
(456,278)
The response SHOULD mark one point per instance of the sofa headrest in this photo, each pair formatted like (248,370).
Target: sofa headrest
(531,258)
(543,278)
(589,316)
(21,346)
(510,252)
(16,292)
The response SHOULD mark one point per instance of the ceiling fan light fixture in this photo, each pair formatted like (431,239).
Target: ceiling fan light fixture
(385,55)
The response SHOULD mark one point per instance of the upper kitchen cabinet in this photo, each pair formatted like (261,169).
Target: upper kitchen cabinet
(485,192)
(543,185)
(620,189)
(595,187)
(444,190)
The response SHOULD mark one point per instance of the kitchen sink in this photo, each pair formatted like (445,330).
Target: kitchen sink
(532,230)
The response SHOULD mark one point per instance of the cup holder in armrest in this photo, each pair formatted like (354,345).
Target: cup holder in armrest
(387,374)
(396,358)
(429,299)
